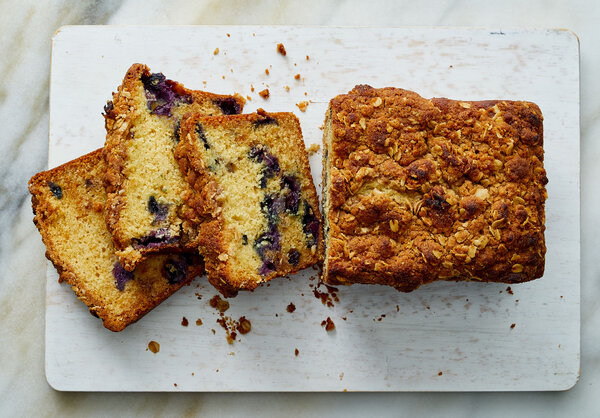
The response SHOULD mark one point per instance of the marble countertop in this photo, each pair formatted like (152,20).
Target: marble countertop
(27,28)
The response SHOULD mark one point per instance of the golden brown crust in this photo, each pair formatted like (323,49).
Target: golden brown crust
(120,115)
(54,228)
(205,211)
(422,190)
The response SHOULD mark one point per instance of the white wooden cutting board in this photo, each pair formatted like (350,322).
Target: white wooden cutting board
(442,337)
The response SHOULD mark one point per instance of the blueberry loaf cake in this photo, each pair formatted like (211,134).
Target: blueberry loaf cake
(255,207)
(68,203)
(143,181)
(420,190)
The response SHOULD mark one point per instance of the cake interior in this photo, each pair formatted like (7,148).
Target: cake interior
(268,226)
(152,183)
(71,207)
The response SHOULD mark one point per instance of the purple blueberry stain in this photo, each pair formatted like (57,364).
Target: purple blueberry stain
(271,164)
(293,257)
(268,241)
(228,105)
(310,225)
(271,206)
(200,132)
(176,131)
(268,266)
(159,210)
(155,239)
(55,189)
(121,276)
(176,270)
(265,120)
(291,188)
(161,95)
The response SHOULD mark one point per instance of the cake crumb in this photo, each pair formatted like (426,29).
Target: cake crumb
(296,352)
(328,324)
(266,71)
(440,373)
(251,88)
(216,51)
(281,49)
(297,76)
(302,106)
(223,77)
(244,326)
(198,295)
(327,298)
(307,58)
(248,98)
(198,322)
(342,376)
(175,384)
(512,326)
(509,290)
(154,346)
(184,322)
(264,94)
(213,331)
(291,307)
(229,36)
(287,88)
(218,303)
(313,149)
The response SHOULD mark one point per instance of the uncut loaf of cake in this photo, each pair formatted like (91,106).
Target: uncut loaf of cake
(419,190)
(255,207)
(143,181)
(68,203)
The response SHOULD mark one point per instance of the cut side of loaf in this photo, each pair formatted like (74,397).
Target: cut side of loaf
(419,190)
(68,203)
(255,207)
(143,181)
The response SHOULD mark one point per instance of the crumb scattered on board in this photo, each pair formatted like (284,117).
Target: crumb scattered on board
(216,51)
(297,76)
(328,324)
(218,303)
(184,321)
(264,93)
(313,149)
(510,291)
(281,49)
(198,322)
(232,327)
(266,71)
(296,352)
(328,297)
(287,88)
(440,373)
(512,326)
(302,106)
(154,346)
(291,307)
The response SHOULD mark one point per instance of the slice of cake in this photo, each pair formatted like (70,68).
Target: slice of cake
(255,208)
(419,190)
(143,181)
(68,203)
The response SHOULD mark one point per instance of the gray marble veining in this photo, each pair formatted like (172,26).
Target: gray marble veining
(24,73)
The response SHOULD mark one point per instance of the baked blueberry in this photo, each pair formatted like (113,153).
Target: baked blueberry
(55,189)
(176,270)
(121,275)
